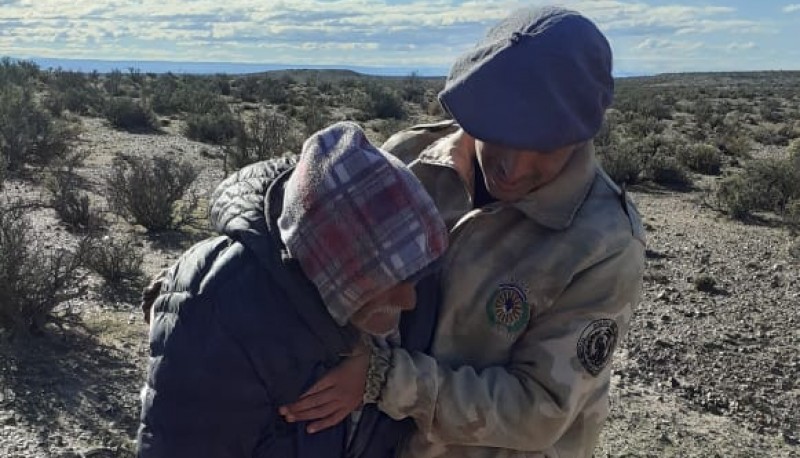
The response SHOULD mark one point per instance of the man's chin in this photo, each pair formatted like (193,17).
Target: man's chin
(505,195)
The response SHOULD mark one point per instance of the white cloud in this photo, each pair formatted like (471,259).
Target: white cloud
(733,47)
(319,31)
(342,32)
(791,8)
(655,44)
(641,19)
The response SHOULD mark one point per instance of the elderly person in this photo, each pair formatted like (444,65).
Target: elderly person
(545,261)
(310,256)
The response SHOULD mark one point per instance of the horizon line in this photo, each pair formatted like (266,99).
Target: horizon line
(239,68)
(244,68)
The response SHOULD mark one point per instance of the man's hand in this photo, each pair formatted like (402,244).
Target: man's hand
(150,293)
(334,396)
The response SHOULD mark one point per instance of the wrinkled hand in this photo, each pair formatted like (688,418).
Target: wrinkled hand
(334,396)
(150,293)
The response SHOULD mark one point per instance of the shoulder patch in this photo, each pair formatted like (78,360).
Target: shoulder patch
(508,308)
(596,345)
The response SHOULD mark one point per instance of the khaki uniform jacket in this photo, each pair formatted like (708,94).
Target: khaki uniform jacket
(536,296)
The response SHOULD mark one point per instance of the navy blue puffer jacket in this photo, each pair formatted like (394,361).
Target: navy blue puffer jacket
(238,331)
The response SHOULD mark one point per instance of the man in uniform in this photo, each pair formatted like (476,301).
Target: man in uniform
(545,261)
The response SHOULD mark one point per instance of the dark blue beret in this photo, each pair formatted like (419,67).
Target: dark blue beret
(540,79)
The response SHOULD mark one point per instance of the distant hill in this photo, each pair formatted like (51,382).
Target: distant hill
(335,75)
(231,68)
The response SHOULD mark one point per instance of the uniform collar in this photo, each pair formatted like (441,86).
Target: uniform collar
(553,205)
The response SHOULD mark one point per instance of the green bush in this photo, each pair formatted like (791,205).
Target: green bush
(734,196)
(165,97)
(775,182)
(735,144)
(413,89)
(248,89)
(767,135)
(763,185)
(82,102)
(381,102)
(265,135)
(116,260)
(72,91)
(169,94)
(218,127)
(770,110)
(150,191)
(274,91)
(28,134)
(622,162)
(126,114)
(701,158)
(667,171)
(18,73)
(314,117)
(34,279)
(70,204)
(112,83)
(642,127)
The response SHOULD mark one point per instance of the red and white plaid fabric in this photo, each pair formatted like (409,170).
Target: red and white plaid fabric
(356,219)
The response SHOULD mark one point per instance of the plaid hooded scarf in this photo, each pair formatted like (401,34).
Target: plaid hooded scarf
(356,219)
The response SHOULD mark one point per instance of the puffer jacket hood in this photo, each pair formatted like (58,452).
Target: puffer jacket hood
(239,207)
(246,207)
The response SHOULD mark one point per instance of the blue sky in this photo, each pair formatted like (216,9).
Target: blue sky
(648,36)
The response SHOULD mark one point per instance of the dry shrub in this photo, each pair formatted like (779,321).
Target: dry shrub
(666,170)
(28,134)
(622,162)
(701,158)
(265,135)
(150,191)
(116,260)
(217,127)
(763,185)
(69,202)
(126,114)
(34,279)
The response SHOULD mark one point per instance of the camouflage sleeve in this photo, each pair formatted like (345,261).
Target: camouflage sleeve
(407,144)
(556,372)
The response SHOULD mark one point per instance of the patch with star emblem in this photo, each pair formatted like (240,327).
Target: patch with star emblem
(508,307)
(597,344)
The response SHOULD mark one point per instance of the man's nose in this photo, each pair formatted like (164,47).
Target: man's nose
(509,166)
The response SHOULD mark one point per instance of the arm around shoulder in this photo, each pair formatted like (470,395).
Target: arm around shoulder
(556,372)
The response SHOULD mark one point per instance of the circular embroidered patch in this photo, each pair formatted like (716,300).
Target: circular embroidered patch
(596,345)
(508,307)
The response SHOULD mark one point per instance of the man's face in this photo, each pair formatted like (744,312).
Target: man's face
(381,314)
(511,174)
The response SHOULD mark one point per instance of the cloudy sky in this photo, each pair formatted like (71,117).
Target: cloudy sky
(648,36)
